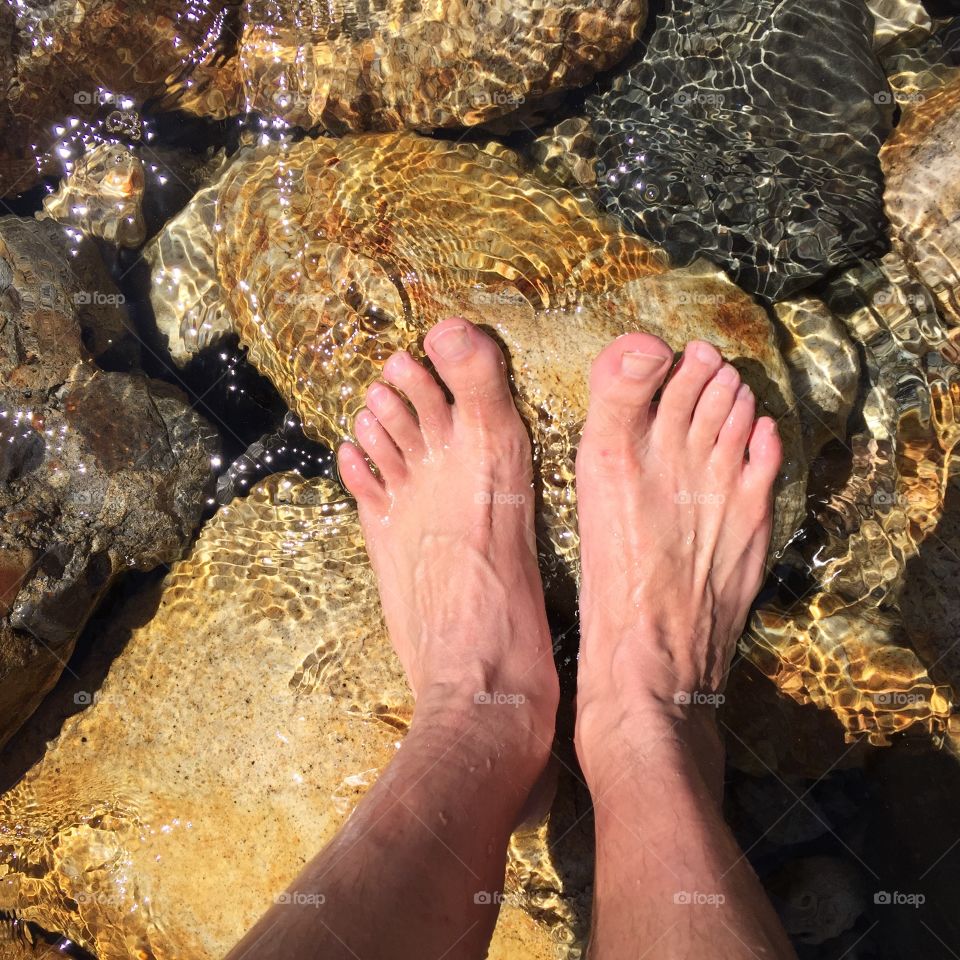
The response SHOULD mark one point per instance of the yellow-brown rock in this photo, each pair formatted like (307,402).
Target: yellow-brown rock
(346,66)
(922,170)
(849,646)
(452,63)
(171,811)
(102,195)
(329,255)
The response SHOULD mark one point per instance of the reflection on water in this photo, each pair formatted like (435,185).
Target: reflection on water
(745,132)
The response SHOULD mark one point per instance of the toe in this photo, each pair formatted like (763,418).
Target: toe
(700,363)
(714,406)
(731,445)
(473,368)
(359,478)
(420,388)
(395,417)
(378,446)
(766,454)
(623,382)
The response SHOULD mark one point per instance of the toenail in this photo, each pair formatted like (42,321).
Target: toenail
(635,363)
(453,343)
(704,352)
(396,360)
(744,392)
(726,374)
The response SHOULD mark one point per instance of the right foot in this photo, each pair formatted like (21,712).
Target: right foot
(448,522)
(675,513)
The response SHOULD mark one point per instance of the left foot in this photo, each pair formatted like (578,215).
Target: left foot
(449,526)
(675,506)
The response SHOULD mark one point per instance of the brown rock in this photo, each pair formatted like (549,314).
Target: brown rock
(851,646)
(348,67)
(102,195)
(81,61)
(460,64)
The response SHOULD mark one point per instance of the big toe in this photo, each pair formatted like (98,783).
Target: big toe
(624,379)
(473,368)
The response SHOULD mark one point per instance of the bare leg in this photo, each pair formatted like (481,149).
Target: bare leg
(417,869)
(675,525)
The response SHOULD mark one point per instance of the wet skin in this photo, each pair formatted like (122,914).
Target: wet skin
(675,505)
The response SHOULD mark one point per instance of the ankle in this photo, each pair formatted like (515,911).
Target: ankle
(491,719)
(649,737)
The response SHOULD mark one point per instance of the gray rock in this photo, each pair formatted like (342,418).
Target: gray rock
(749,134)
(99,471)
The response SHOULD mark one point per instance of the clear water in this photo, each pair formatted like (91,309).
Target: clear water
(855,616)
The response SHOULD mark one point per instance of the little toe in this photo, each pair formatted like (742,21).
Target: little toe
(358,477)
(624,379)
(473,368)
(699,364)
(423,391)
(714,406)
(397,419)
(378,446)
(766,454)
(731,445)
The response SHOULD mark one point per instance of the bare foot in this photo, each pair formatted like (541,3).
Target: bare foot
(449,527)
(675,510)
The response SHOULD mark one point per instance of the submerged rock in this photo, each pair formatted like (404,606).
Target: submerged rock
(848,647)
(343,67)
(151,803)
(327,256)
(819,898)
(825,368)
(898,23)
(83,60)
(922,170)
(749,134)
(102,195)
(459,63)
(99,471)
